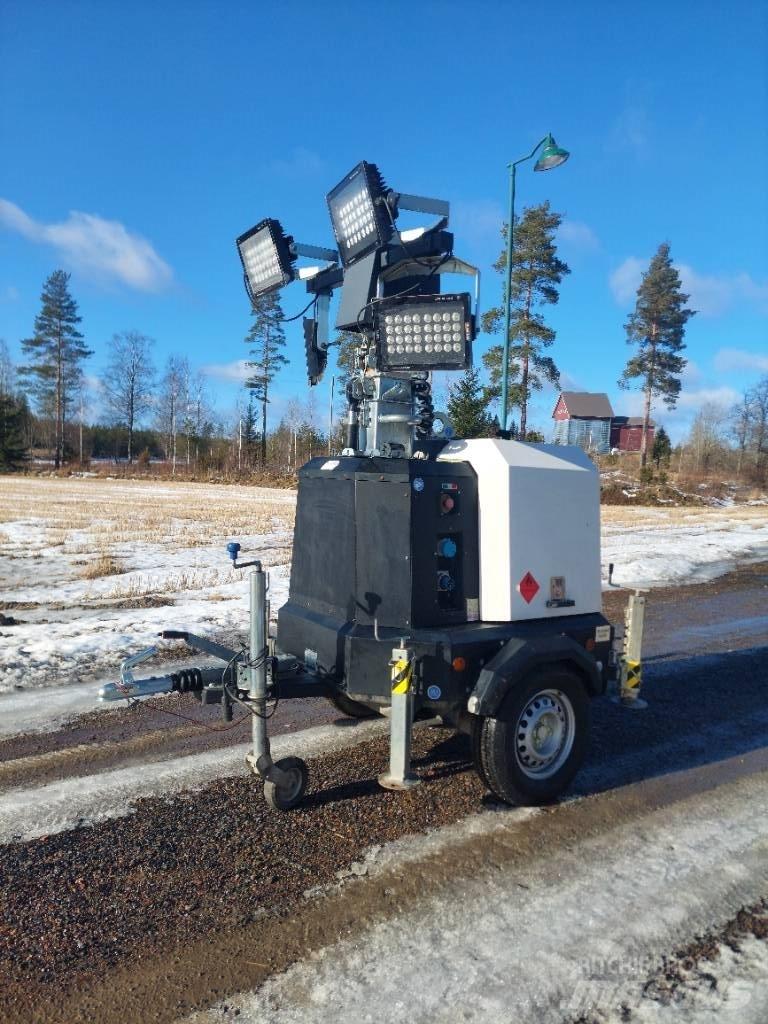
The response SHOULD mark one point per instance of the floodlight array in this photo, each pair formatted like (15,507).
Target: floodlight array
(265,252)
(424,332)
(360,221)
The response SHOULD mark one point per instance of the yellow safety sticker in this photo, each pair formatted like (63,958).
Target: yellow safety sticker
(634,674)
(401,675)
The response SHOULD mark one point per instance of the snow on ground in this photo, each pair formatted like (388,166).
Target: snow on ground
(573,932)
(93,569)
(653,547)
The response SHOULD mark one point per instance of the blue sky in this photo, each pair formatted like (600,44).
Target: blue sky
(138,140)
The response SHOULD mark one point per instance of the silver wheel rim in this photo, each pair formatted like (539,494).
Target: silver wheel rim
(544,734)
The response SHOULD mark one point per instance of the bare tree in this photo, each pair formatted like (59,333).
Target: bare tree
(740,426)
(759,401)
(129,379)
(171,404)
(198,417)
(706,437)
(7,371)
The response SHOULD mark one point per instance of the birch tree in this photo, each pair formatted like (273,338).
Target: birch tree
(128,380)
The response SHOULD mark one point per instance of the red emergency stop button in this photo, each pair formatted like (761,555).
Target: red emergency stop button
(447,503)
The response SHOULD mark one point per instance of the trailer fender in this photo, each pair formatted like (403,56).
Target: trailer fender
(518,657)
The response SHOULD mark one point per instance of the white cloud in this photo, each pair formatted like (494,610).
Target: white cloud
(723,395)
(579,235)
(102,248)
(729,360)
(754,291)
(691,374)
(711,295)
(625,279)
(10,293)
(236,371)
(677,422)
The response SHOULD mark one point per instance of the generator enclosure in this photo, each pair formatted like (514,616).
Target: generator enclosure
(539,528)
(458,551)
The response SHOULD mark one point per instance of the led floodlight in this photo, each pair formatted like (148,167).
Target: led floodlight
(360,219)
(424,332)
(267,255)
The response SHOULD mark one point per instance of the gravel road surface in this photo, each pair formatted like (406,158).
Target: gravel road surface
(197,895)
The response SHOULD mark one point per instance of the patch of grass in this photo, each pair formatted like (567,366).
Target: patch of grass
(104,565)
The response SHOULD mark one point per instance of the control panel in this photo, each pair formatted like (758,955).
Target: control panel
(444,540)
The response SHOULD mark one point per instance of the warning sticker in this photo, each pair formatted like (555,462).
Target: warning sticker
(528,588)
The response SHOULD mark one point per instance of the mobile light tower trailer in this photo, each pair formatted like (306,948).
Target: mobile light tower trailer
(431,576)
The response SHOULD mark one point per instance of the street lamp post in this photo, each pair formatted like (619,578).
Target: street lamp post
(551,156)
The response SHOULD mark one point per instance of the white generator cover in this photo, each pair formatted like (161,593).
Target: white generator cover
(539,528)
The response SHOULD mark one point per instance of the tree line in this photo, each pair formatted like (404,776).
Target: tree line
(41,402)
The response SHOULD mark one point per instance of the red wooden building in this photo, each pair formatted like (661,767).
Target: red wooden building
(627,433)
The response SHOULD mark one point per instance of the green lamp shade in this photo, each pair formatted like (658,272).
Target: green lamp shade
(551,156)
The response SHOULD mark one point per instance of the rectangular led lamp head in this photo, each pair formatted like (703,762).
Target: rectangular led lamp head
(267,256)
(360,219)
(424,332)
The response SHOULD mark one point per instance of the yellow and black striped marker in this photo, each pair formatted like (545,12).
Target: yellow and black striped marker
(634,676)
(402,674)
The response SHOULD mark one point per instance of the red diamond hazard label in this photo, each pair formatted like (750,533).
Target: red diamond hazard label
(528,588)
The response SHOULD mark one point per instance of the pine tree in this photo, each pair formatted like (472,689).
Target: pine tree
(266,339)
(536,273)
(662,447)
(468,407)
(13,449)
(57,352)
(346,354)
(657,327)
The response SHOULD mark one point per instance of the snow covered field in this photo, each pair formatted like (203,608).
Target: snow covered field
(92,569)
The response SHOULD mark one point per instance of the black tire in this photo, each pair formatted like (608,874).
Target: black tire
(475,738)
(530,754)
(351,708)
(286,798)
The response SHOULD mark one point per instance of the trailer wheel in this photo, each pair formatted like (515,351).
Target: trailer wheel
(285,798)
(351,708)
(530,754)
